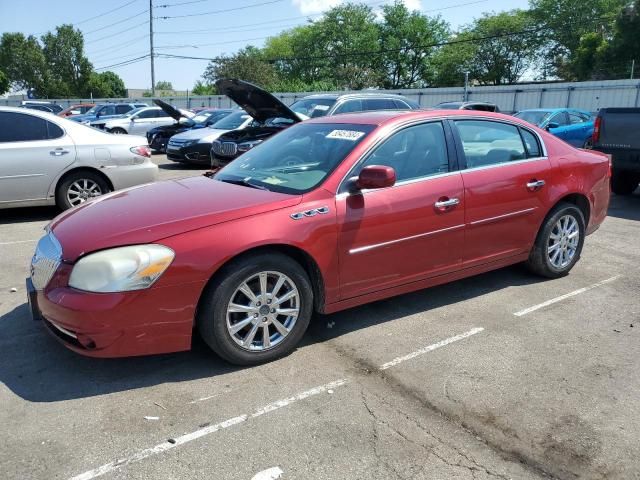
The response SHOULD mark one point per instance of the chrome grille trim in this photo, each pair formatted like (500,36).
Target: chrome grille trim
(45,261)
(225,149)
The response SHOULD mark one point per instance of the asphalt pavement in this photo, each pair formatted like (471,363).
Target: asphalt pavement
(504,375)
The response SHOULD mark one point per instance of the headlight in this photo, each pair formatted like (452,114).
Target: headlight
(121,269)
(245,146)
(188,143)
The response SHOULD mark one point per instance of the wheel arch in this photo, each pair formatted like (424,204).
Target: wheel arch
(82,169)
(580,200)
(303,258)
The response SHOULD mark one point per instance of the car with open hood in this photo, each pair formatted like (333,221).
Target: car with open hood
(158,137)
(272,115)
(141,120)
(194,145)
(328,214)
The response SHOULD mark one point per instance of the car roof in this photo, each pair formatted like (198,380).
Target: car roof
(29,111)
(384,117)
(336,96)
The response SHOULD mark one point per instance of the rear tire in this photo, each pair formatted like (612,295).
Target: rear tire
(559,242)
(79,187)
(249,331)
(118,131)
(623,183)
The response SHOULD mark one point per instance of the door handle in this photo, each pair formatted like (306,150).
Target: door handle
(443,204)
(535,184)
(58,152)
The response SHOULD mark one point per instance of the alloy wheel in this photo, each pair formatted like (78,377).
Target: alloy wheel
(563,241)
(263,310)
(82,190)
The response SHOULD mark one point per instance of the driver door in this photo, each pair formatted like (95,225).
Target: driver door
(410,231)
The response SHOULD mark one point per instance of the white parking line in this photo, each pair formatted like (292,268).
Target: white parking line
(18,241)
(269,474)
(430,348)
(189,437)
(565,296)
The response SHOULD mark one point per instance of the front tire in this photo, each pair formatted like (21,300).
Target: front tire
(559,242)
(79,187)
(118,131)
(257,310)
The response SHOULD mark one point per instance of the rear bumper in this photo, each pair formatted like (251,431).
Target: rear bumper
(117,324)
(132,175)
(622,159)
(200,154)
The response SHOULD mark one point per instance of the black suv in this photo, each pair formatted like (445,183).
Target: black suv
(272,115)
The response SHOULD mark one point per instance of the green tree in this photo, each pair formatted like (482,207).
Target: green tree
(624,47)
(453,60)
(23,62)
(201,88)
(68,69)
(105,85)
(565,23)
(405,41)
(164,85)
(247,64)
(4,83)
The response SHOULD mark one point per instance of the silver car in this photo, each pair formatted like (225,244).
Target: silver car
(47,160)
(139,121)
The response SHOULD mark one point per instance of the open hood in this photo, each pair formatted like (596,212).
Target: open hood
(257,102)
(169,110)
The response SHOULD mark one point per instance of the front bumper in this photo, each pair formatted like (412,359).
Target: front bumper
(110,325)
(218,161)
(199,153)
(158,142)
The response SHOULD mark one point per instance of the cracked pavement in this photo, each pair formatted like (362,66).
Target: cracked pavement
(552,394)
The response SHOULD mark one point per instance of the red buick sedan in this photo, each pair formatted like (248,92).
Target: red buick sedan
(329,214)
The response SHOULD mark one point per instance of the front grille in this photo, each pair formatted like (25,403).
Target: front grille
(225,149)
(45,261)
(177,143)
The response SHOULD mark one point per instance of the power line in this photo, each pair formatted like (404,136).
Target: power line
(212,44)
(124,63)
(127,44)
(113,24)
(222,11)
(105,13)
(111,35)
(180,3)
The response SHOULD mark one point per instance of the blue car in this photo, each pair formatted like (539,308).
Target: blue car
(106,110)
(571,125)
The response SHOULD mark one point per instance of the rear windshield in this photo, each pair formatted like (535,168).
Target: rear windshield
(297,159)
(620,128)
(534,117)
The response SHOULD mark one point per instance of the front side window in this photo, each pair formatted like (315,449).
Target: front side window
(350,106)
(108,110)
(536,117)
(297,159)
(489,143)
(378,104)
(414,152)
(560,118)
(575,118)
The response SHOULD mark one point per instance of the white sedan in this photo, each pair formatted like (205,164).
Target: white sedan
(141,120)
(49,160)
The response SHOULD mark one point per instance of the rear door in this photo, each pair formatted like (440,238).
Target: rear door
(407,232)
(33,151)
(505,174)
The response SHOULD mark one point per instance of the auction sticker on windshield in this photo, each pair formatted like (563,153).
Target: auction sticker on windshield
(352,135)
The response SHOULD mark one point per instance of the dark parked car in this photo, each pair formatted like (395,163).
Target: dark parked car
(158,137)
(42,106)
(616,132)
(480,106)
(106,110)
(273,116)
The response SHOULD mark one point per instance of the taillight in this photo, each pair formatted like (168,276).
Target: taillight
(142,150)
(595,138)
(610,157)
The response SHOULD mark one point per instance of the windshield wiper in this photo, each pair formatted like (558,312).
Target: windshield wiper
(242,181)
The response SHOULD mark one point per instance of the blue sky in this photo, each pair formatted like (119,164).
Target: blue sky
(114,34)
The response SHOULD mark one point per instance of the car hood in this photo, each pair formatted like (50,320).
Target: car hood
(200,134)
(169,110)
(257,102)
(149,213)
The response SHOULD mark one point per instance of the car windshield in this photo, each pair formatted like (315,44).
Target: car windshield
(449,106)
(313,107)
(536,117)
(297,159)
(232,121)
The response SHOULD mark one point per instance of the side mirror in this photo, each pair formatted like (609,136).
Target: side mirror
(551,125)
(374,176)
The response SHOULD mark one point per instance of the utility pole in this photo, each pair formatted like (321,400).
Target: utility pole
(633,66)
(151,54)
(466,86)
